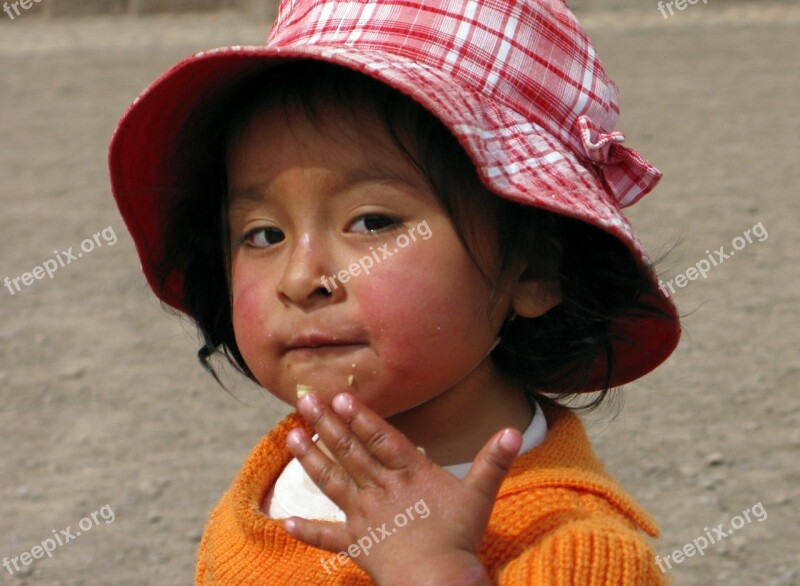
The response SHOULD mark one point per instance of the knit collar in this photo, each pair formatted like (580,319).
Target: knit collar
(551,465)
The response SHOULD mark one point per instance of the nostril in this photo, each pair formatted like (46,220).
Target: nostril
(324,291)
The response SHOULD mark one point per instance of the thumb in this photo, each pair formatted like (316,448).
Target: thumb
(493,462)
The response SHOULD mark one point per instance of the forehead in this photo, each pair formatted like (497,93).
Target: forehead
(338,144)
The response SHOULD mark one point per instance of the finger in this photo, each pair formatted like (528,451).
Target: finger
(493,462)
(350,453)
(329,477)
(322,534)
(383,441)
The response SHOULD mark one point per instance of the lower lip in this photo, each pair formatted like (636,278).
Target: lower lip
(324,351)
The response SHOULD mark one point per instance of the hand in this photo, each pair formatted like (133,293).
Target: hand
(408,520)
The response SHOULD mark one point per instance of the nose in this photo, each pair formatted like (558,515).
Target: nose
(302,283)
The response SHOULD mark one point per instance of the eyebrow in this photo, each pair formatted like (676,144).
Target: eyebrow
(337,184)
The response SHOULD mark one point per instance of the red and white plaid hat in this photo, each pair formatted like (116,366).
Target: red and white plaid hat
(517,82)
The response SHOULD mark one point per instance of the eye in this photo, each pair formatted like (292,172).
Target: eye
(373,223)
(263,237)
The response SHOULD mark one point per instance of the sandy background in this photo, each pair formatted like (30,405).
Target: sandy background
(102,403)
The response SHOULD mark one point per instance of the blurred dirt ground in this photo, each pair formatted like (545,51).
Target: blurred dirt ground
(102,400)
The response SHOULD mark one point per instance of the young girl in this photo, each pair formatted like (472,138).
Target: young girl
(403,218)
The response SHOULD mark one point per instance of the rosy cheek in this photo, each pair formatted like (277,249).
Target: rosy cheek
(405,307)
(249,314)
(396,285)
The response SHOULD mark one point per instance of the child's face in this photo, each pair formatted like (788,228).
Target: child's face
(307,204)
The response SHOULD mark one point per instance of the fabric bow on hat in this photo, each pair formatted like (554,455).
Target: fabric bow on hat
(626,173)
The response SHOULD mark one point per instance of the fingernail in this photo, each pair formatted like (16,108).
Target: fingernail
(509,441)
(294,439)
(343,404)
(289,525)
(309,405)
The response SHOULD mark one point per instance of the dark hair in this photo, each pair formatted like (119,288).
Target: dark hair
(596,276)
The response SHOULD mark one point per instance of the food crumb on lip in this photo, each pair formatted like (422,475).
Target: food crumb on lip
(303,389)
(352,377)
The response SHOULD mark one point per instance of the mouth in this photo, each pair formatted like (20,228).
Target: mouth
(325,350)
(316,344)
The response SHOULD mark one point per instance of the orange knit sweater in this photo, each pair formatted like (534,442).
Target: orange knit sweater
(559,519)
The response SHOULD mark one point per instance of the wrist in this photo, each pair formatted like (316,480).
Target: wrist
(458,571)
(475,575)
